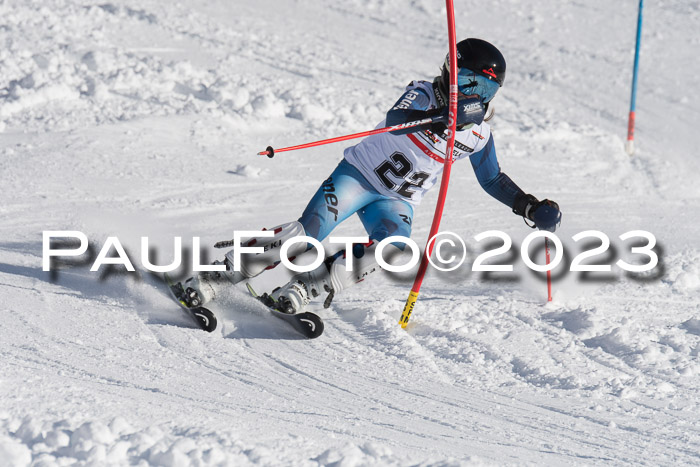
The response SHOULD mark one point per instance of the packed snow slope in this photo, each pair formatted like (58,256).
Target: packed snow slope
(142,118)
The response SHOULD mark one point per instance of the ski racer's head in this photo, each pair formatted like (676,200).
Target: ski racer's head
(481,70)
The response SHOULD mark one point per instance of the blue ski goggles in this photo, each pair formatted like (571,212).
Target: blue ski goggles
(470,83)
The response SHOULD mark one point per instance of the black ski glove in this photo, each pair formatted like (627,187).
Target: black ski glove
(544,214)
(469,110)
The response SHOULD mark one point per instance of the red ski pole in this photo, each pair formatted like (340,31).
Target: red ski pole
(270,152)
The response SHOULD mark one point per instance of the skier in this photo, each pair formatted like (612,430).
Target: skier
(384,177)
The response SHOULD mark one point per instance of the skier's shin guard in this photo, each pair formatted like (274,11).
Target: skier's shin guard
(363,264)
(253,264)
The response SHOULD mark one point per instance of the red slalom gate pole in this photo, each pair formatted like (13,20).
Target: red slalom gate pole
(270,151)
(549,273)
(452,125)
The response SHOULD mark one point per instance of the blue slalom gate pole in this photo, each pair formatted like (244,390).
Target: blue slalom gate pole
(629,146)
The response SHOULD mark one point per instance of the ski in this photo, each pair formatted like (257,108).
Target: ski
(205,319)
(310,325)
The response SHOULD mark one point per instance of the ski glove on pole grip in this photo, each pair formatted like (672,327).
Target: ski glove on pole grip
(469,111)
(544,214)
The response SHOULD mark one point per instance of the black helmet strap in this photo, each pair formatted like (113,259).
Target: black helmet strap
(440,95)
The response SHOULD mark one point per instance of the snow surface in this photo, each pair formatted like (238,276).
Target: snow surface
(143,118)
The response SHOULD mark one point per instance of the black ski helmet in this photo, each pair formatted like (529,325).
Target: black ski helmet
(479,56)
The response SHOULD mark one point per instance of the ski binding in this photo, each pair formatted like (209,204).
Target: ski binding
(204,318)
(310,325)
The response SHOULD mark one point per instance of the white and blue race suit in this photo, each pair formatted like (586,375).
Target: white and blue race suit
(384,176)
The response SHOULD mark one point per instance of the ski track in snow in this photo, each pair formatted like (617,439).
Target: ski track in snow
(135,119)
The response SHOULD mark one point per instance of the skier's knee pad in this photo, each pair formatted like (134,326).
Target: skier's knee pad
(253,264)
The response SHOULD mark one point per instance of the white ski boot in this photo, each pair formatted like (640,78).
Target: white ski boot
(201,288)
(330,277)
(291,298)
(253,264)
